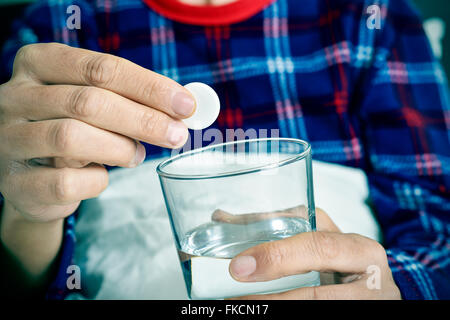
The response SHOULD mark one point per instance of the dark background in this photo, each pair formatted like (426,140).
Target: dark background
(11,9)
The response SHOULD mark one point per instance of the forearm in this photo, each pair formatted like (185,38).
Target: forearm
(28,252)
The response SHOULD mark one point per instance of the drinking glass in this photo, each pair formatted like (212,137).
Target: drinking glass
(226,198)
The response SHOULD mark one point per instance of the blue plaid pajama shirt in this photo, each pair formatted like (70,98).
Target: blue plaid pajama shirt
(374,99)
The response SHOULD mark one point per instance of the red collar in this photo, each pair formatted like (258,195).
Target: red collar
(208,15)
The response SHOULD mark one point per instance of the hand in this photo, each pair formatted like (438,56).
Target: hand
(67,111)
(343,260)
(64,113)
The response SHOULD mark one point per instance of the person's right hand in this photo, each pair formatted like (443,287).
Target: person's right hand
(66,112)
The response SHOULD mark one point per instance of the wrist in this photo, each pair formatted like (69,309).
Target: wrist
(11,219)
(34,245)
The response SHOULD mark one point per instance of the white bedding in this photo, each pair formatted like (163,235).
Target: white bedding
(125,246)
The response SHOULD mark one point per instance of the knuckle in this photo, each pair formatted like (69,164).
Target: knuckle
(11,100)
(273,254)
(64,186)
(100,70)
(83,102)
(324,246)
(4,93)
(147,91)
(379,252)
(25,53)
(156,90)
(375,248)
(102,182)
(62,136)
(29,55)
(149,122)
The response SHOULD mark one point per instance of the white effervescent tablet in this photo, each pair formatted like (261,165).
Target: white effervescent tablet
(207,106)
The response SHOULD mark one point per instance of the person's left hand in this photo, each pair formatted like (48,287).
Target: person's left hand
(357,266)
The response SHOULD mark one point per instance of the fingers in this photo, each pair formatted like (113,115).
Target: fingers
(45,185)
(355,290)
(52,63)
(352,291)
(318,251)
(70,139)
(324,222)
(58,162)
(220,215)
(104,109)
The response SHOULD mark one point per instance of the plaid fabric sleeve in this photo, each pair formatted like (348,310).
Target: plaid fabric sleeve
(406,118)
(45,21)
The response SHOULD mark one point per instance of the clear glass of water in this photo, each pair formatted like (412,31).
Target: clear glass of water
(226,198)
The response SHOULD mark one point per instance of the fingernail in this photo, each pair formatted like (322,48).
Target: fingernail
(183,104)
(176,133)
(242,266)
(140,155)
